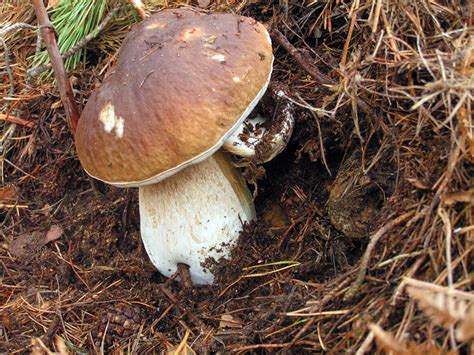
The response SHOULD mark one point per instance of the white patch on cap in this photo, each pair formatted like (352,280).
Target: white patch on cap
(218,57)
(208,40)
(107,117)
(190,34)
(154,26)
(110,120)
(119,127)
(236,79)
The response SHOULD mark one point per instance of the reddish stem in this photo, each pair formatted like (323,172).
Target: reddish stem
(16,120)
(64,86)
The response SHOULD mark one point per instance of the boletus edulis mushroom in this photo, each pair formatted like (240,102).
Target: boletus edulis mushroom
(184,82)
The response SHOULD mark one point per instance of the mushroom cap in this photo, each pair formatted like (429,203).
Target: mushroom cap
(184,81)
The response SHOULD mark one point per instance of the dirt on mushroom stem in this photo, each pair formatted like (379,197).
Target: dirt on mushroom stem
(66,287)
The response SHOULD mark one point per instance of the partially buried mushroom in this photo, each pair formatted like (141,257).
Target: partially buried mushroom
(184,83)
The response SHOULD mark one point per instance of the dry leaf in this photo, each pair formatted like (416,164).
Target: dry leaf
(26,244)
(430,287)
(38,348)
(425,349)
(6,320)
(61,346)
(7,194)
(386,341)
(229,321)
(443,308)
(418,184)
(389,344)
(465,329)
(459,196)
(54,233)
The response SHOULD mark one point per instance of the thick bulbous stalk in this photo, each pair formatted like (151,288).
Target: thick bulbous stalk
(195,215)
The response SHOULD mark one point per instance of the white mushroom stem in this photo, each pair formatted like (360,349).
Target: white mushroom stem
(245,141)
(194,215)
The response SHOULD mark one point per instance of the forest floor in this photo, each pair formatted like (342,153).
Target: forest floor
(364,235)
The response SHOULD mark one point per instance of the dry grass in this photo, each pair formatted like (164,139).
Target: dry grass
(401,97)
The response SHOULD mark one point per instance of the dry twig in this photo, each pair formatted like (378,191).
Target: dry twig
(352,291)
(65,89)
(308,67)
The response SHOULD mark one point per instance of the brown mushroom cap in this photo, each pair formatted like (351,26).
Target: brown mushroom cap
(183,82)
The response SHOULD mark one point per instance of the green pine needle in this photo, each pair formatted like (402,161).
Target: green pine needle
(73,20)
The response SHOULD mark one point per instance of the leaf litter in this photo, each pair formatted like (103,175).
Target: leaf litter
(383,91)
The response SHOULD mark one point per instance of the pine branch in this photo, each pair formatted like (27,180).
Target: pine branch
(65,89)
(34,72)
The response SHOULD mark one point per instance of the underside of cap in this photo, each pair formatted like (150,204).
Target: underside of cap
(183,83)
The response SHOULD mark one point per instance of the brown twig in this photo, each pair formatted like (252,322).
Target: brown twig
(51,331)
(283,41)
(16,120)
(319,306)
(16,26)
(351,292)
(260,346)
(65,89)
(348,40)
(172,297)
(6,58)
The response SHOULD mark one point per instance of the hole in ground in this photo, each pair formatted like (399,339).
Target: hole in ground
(293,223)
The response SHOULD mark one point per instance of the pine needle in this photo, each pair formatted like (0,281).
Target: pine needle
(73,20)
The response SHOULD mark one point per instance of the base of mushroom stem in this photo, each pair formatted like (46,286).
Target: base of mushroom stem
(185,275)
(195,215)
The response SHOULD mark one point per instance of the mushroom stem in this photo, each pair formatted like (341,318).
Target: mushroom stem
(195,215)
